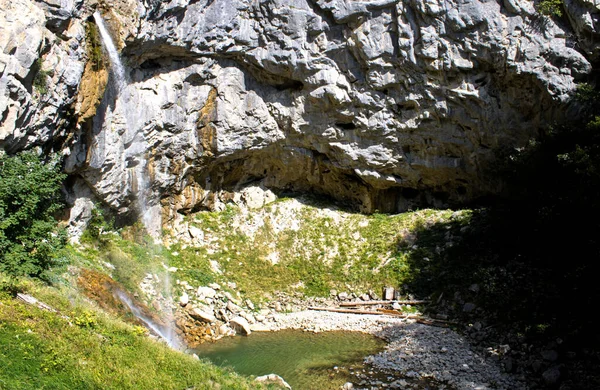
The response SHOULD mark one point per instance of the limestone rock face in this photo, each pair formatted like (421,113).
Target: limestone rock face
(384,104)
(41,43)
(584,16)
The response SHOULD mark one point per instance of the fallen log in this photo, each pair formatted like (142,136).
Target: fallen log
(398,314)
(391,313)
(34,302)
(369,303)
(348,311)
(28,299)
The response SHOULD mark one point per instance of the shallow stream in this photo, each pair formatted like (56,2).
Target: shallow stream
(306,360)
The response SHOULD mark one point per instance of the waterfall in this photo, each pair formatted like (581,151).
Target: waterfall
(164,332)
(138,163)
(115,60)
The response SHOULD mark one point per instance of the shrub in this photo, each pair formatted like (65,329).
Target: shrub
(40,81)
(29,197)
(550,7)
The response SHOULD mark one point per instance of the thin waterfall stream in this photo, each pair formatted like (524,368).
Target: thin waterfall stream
(140,184)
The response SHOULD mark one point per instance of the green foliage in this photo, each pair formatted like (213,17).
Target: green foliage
(587,94)
(94,46)
(97,225)
(85,320)
(40,81)
(29,197)
(550,7)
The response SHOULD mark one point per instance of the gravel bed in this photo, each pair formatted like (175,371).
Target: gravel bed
(414,351)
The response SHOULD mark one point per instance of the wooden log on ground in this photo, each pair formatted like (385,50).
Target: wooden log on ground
(348,311)
(398,314)
(391,313)
(369,303)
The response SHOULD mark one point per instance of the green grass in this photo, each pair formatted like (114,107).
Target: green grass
(90,350)
(331,250)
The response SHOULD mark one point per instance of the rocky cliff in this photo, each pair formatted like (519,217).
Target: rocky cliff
(384,104)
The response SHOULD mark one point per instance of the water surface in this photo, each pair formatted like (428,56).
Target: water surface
(305,360)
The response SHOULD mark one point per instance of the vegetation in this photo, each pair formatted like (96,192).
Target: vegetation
(29,197)
(550,7)
(94,46)
(81,347)
(297,247)
(40,81)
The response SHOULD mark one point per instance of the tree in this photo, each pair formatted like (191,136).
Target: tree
(29,197)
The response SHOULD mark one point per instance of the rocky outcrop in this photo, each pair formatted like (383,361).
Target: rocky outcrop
(42,58)
(383,104)
(584,16)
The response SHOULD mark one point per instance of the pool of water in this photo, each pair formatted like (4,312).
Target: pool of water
(305,360)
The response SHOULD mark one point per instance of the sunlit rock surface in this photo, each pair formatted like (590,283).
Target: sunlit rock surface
(384,104)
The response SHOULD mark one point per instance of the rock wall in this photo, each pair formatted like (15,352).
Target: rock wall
(385,104)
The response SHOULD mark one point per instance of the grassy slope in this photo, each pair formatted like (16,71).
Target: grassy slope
(91,350)
(316,249)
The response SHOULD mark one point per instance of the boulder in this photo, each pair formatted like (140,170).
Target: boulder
(203,316)
(206,292)
(232,307)
(241,325)
(184,299)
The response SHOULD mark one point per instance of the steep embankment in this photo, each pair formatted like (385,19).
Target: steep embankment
(82,347)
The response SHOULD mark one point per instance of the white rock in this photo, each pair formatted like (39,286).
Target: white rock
(241,325)
(202,315)
(273,379)
(206,292)
(184,299)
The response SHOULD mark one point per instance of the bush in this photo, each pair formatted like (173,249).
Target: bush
(29,197)
(550,7)
(40,81)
